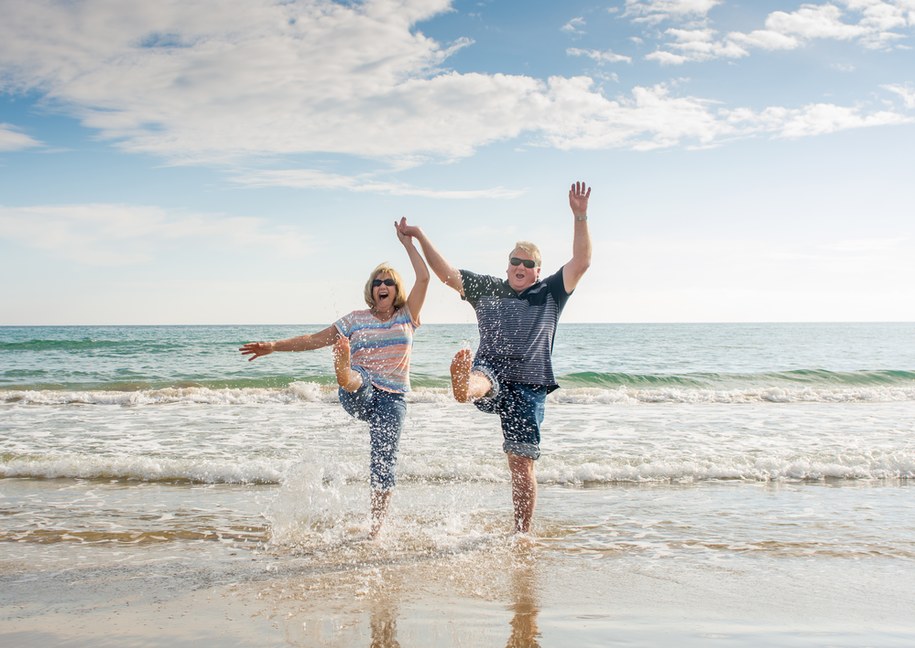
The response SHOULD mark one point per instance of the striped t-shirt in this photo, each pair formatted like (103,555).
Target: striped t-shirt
(381,348)
(517,330)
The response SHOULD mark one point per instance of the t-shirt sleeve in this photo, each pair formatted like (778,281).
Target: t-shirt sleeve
(557,288)
(476,285)
(408,316)
(345,325)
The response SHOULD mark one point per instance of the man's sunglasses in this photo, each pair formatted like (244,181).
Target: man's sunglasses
(386,282)
(528,263)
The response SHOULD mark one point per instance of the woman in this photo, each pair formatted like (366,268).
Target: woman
(372,363)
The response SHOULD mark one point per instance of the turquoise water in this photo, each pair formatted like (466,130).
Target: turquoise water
(586,355)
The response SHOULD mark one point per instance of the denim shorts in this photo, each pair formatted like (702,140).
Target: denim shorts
(520,408)
(384,411)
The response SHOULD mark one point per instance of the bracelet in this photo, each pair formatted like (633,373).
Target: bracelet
(583,217)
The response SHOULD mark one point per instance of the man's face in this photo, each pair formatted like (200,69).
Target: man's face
(520,277)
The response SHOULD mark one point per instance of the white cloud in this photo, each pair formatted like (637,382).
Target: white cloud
(906,92)
(653,117)
(650,118)
(655,11)
(598,56)
(11,139)
(868,22)
(205,82)
(702,45)
(880,18)
(312,179)
(574,26)
(814,21)
(220,82)
(765,39)
(210,79)
(811,120)
(820,119)
(114,235)
(666,58)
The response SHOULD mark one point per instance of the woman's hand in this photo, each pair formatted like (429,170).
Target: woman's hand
(406,233)
(257,349)
(402,236)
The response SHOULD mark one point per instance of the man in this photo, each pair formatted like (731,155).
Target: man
(512,371)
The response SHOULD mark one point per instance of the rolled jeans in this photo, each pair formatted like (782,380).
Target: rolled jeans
(385,412)
(520,408)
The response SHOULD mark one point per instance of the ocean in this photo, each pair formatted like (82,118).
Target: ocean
(758,461)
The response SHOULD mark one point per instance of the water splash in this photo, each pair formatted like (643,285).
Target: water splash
(311,508)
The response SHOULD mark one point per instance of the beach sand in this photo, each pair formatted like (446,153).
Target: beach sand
(528,593)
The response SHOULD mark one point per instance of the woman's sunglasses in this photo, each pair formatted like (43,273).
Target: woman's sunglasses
(386,282)
(528,263)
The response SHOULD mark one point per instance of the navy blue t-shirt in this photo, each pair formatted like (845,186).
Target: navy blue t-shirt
(517,330)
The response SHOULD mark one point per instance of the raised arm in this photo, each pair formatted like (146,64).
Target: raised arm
(417,295)
(575,269)
(317,340)
(450,275)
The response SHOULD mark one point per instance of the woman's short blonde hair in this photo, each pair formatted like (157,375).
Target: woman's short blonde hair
(399,299)
(532,250)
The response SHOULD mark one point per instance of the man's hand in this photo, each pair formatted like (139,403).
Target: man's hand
(407,230)
(573,271)
(578,199)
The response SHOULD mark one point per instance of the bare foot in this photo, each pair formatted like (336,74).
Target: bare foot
(346,377)
(460,375)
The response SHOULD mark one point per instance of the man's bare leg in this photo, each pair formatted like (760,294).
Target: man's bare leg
(524,491)
(347,378)
(467,385)
(380,500)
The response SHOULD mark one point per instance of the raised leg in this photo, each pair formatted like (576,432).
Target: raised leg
(467,385)
(347,378)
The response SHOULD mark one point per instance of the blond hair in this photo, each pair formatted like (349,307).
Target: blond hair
(532,250)
(399,299)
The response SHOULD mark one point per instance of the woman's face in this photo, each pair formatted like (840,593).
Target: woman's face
(382,293)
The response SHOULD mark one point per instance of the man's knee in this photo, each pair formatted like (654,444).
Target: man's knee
(521,465)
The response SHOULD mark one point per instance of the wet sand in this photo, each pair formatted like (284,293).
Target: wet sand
(509,594)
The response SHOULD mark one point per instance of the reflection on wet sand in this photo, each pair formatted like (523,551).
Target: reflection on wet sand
(478,598)
(384,624)
(525,633)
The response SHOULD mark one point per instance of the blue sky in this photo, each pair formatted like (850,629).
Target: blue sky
(243,161)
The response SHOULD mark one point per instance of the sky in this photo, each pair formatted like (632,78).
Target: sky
(243,161)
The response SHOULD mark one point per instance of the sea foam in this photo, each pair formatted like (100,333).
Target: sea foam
(314,392)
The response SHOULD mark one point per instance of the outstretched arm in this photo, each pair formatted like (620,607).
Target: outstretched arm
(317,340)
(417,295)
(450,275)
(575,269)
